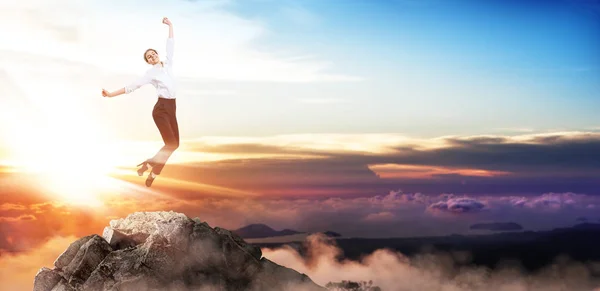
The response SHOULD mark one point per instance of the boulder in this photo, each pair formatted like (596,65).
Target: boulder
(166,251)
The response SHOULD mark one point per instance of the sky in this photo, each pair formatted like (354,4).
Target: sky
(405,117)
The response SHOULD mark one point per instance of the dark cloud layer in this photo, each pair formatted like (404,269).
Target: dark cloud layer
(557,174)
(552,163)
(562,152)
(552,153)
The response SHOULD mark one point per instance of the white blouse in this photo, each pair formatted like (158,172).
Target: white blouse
(161,77)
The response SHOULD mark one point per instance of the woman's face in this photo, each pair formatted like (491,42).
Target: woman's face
(152,57)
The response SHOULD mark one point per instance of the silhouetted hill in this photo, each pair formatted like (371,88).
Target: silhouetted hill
(497,226)
(532,249)
(587,225)
(330,233)
(262,231)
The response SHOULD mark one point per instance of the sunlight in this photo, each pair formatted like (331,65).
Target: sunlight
(68,159)
(214,189)
(76,171)
(425,171)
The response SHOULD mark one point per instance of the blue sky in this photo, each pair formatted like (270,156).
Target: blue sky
(533,63)
(262,68)
(493,32)
(494,35)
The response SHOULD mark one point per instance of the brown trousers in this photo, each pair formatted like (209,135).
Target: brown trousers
(164,115)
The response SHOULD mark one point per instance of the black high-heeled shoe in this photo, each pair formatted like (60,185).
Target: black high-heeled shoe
(143,169)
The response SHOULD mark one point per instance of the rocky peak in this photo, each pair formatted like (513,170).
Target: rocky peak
(166,251)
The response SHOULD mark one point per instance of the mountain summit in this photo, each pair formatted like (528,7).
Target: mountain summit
(166,251)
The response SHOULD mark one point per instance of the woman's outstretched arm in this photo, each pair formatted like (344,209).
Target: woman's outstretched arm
(146,79)
(113,94)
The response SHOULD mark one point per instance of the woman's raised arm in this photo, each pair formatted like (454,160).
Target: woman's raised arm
(168,22)
(170,41)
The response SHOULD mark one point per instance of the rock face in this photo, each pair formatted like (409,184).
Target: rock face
(166,251)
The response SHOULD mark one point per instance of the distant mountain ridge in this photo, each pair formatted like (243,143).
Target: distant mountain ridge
(262,230)
(496,226)
(532,249)
(330,233)
(585,225)
(259,230)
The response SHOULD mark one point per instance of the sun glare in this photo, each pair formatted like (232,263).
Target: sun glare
(67,160)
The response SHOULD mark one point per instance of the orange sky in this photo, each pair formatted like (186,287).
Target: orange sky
(293,182)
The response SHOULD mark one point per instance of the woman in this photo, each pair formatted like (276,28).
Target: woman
(164,113)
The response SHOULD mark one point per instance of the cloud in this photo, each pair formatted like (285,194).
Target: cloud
(553,152)
(321,100)
(11,206)
(458,205)
(380,216)
(387,269)
(394,271)
(394,214)
(36,18)
(30,225)
(20,218)
(327,187)
(329,164)
(515,129)
(227,51)
(301,16)
(19,270)
(209,92)
(550,201)
(332,187)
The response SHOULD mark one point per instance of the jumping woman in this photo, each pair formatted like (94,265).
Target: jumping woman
(160,75)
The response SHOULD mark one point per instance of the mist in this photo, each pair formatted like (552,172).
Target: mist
(393,271)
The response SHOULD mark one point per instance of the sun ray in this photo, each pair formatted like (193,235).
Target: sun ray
(180,184)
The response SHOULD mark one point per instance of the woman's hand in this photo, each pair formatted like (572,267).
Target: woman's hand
(106,93)
(116,93)
(168,22)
